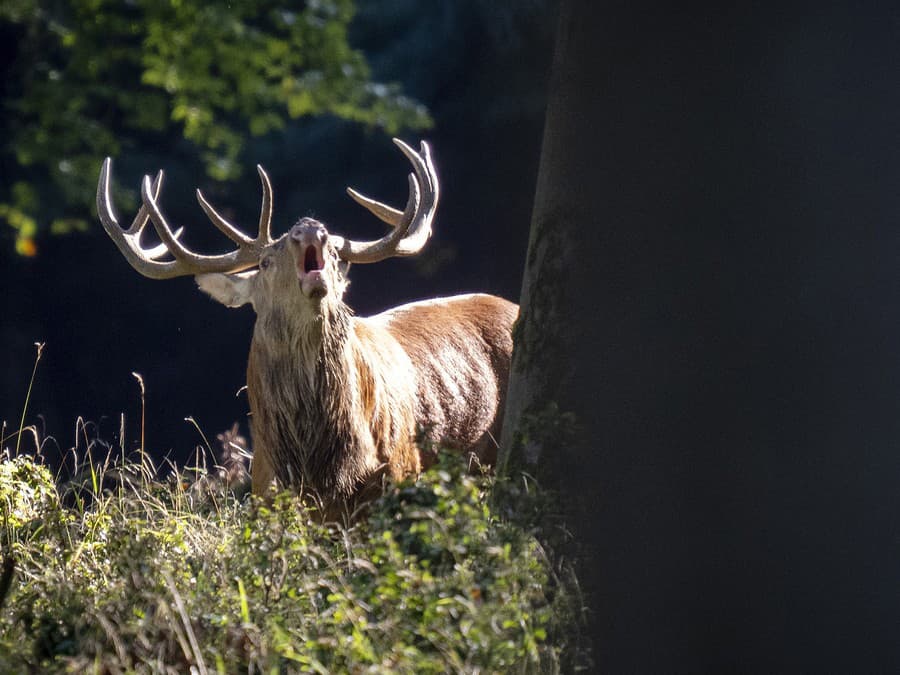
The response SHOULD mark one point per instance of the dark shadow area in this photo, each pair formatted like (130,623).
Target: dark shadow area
(732,176)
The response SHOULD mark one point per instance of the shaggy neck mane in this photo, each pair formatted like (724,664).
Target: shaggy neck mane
(308,417)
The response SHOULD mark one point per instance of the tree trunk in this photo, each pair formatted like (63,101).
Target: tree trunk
(707,364)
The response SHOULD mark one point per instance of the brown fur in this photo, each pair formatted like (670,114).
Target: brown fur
(340,402)
(352,413)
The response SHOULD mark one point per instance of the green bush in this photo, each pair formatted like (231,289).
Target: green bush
(127,573)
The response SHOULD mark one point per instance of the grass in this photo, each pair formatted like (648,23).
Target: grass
(125,569)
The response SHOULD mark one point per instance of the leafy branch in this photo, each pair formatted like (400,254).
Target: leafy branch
(91,77)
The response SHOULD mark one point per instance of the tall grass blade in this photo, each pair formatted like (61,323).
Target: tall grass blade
(40,350)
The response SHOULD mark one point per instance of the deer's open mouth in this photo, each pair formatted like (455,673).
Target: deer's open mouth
(310,264)
(312,259)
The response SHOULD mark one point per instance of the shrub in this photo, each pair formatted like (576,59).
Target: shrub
(125,572)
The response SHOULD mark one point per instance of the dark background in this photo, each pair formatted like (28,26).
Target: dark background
(481,71)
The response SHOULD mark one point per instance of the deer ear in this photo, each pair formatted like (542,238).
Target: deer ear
(232,290)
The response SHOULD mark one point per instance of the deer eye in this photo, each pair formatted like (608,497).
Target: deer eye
(265,263)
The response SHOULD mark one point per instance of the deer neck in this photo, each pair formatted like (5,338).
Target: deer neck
(301,403)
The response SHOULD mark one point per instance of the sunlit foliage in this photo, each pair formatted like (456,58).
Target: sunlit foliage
(91,78)
(119,572)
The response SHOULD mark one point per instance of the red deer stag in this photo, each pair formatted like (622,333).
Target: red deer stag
(338,401)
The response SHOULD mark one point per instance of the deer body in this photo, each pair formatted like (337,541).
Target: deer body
(338,402)
(364,391)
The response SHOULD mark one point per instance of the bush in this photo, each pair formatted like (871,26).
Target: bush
(124,572)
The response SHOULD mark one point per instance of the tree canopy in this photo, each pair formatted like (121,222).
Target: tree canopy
(90,78)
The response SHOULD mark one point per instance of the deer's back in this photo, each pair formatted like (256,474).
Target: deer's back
(460,348)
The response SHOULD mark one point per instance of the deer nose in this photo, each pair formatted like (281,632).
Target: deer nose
(308,231)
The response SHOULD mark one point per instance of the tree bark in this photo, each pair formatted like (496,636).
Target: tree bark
(707,363)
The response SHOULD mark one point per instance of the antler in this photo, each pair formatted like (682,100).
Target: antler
(412,226)
(186,262)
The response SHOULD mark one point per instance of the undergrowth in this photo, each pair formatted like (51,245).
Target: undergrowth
(124,570)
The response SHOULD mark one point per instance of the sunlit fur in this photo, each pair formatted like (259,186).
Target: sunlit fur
(338,401)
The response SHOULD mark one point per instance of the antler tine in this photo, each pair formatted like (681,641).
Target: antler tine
(143,217)
(412,226)
(175,247)
(265,210)
(264,236)
(380,210)
(227,228)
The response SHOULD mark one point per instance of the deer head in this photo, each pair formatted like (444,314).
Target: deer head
(303,270)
